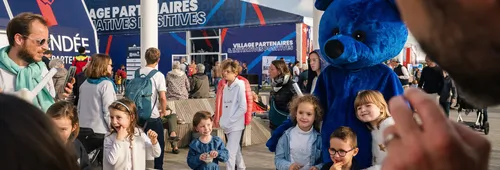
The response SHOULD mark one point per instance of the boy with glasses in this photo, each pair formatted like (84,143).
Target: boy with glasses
(343,148)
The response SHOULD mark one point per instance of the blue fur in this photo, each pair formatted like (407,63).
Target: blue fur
(357,68)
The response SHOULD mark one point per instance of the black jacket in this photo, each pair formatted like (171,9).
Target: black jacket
(431,80)
(284,96)
(46,61)
(79,79)
(354,165)
(448,87)
(81,155)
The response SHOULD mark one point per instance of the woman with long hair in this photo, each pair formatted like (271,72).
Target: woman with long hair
(97,92)
(314,70)
(281,94)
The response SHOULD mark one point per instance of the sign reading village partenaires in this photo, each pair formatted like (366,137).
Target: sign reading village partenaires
(170,14)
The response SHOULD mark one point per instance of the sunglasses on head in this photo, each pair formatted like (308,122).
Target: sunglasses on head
(40,42)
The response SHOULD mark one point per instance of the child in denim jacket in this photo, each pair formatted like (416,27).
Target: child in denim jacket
(300,146)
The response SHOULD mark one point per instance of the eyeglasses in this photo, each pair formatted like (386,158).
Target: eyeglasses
(40,42)
(341,153)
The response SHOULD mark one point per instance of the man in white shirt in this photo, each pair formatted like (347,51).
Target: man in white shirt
(21,64)
(158,100)
(402,72)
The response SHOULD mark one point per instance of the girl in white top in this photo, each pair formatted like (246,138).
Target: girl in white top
(372,109)
(234,107)
(127,146)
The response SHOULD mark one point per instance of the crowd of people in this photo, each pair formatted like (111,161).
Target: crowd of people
(131,141)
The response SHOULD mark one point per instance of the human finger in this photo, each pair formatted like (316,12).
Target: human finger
(474,140)
(68,89)
(431,114)
(416,17)
(389,134)
(405,124)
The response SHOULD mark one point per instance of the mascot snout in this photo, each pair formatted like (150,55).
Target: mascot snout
(341,49)
(334,49)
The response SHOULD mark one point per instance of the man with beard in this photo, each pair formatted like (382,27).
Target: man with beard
(462,37)
(21,64)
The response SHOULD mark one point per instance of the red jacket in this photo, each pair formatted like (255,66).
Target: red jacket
(80,61)
(218,101)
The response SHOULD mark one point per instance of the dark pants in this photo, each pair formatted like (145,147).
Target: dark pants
(209,75)
(91,141)
(172,127)
(446,107)
(157,126)
(216,83)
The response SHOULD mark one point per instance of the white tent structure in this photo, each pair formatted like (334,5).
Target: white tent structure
(298,7)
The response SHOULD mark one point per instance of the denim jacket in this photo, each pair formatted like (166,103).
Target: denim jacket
(282,158)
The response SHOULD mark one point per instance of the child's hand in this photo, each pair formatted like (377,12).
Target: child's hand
(337,166)
(314,168)
(214,154)
(295,166)
(121,133)
(203,156)
(153,137)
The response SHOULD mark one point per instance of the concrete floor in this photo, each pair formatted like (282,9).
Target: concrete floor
(257,157)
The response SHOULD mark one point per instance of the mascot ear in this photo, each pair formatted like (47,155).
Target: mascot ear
(322,4)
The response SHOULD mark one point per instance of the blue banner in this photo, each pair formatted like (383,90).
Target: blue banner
(169,44)
(70,26)
(250,45)
(4,16)
(123,16)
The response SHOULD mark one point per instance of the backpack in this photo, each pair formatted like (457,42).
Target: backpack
(140,90)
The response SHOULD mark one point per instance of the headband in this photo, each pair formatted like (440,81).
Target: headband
(126,107)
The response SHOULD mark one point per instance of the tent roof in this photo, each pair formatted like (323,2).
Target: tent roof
(299,7)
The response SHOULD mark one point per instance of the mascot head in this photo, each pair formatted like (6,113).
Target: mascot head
(359,33)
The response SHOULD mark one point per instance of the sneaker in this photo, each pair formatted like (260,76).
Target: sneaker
(175,151)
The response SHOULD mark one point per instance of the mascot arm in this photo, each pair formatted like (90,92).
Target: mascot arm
(321,93)
(277,133)
(392,87)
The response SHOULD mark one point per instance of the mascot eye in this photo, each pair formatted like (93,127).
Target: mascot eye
(359,35)
(336,31)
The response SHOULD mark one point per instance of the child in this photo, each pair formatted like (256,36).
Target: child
(300,146)
(65,118)
(414,83)
(372,109)
(206,151)
(126,146)
(448,94)
(343,148)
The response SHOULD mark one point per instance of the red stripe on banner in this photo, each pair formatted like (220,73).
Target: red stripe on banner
(223,35)
(108,46)
(47,13)
(408,57)
(206,40)
(259,14)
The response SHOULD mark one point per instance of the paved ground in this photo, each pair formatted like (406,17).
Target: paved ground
(257,157)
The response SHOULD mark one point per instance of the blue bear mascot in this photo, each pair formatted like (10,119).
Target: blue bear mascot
(355,38)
